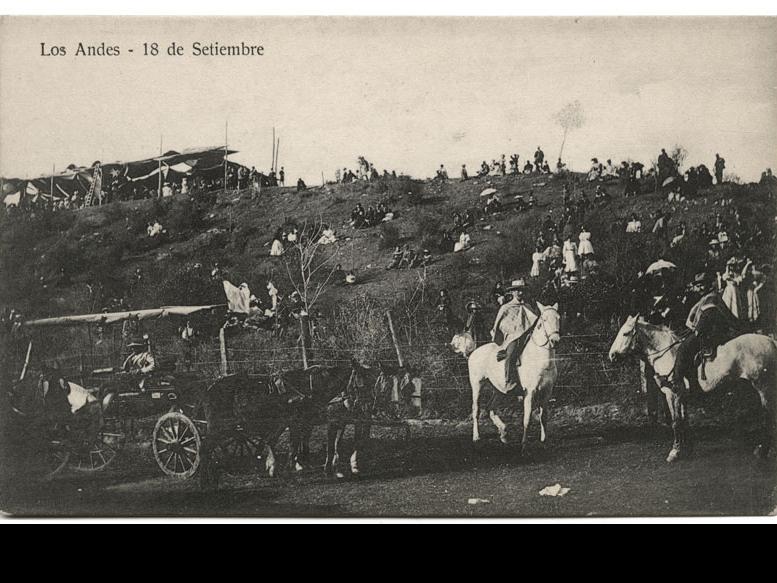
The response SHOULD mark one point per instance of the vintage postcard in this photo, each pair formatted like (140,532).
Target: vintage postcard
(388,267)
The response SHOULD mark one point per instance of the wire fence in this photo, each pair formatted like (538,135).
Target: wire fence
(585,372)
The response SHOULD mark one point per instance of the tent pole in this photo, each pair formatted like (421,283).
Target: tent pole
(277,152)
(226,152)
(272,164)
(53,170)
(159,181)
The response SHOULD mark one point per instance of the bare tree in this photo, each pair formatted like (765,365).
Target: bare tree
(570,117)
(308,266)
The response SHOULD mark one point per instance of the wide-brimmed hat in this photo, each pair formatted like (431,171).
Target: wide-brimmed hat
(516,284)
(714,242)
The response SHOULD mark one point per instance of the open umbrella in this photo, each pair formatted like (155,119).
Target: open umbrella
(660,265)
(488,192)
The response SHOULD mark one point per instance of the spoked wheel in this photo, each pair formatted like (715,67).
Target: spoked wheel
(97,453)
(55,458)
(177,444)
(234,451)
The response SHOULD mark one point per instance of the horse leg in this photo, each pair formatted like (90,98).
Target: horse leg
(475,411)
(361,437)
(769,427)
(544,421)
(331,436)
(269,460)
(336,460)
(528,403)
(677,423)
(500,425)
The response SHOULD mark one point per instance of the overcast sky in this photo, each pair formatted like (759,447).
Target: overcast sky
(409,94)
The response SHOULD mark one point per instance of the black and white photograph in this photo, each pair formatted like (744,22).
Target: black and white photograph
(388,267)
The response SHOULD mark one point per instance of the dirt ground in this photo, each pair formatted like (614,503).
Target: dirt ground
(434,473)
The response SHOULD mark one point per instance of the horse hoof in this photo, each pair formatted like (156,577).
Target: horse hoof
(673,456)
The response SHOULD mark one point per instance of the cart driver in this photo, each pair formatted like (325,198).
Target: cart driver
(140,361)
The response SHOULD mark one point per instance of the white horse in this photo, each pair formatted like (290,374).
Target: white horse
(749,357)
(537,372)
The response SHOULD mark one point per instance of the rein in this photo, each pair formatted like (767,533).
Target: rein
(540,323)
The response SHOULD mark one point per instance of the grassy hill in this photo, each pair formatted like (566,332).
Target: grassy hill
(80,261)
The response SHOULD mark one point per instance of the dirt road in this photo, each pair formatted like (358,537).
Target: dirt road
(434,475)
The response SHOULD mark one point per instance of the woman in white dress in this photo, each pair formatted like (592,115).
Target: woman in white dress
(755,281)
(570,255)
(585,247)
(732,293)
(464,243)
(537,258)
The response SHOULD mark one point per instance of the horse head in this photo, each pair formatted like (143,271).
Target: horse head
(626,340)
(550,323)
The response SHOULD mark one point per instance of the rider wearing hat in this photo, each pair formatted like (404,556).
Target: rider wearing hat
(512,323)
(711,323)
(141,360)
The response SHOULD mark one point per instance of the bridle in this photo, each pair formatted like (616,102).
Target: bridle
(540,324)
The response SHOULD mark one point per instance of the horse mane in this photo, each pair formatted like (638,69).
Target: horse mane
(658,328)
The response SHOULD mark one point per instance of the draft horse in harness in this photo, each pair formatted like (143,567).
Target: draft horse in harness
(748,357)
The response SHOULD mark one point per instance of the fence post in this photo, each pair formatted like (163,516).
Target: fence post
(223,349)
(303,340)
(400,360)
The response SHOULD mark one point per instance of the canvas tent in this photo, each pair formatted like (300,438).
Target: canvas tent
(78,179)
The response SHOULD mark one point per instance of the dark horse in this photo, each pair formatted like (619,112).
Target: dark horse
(239,409)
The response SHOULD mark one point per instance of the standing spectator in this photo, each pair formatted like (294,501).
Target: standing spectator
(282,177)
(475,324)
(539,157)
(537,259)
(464,175)
(732,294)
(720,164)
(570,255)
(187,345)
(586,248)
(755,282)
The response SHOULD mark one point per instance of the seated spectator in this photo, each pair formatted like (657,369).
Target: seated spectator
(442,173)
(595,173)
(328,236)
(610,171)
(154,229)
(446,244)
(601,197)
(301,185)
(167,190)
(396,258)
(634,225)
(464,242)
(528,168)
(426,259)
(560,166)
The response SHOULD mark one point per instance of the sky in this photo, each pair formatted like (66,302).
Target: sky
(409,94)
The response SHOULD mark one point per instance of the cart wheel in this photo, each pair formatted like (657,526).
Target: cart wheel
(56,457)
(235,451)
(176,444)
(97,453)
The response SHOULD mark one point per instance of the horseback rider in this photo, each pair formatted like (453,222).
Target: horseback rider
(512,327)
(711,323)
(141,360)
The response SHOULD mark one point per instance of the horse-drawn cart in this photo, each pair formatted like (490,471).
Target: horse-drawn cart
(67,425)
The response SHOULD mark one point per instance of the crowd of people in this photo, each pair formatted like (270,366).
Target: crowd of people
(372,216)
